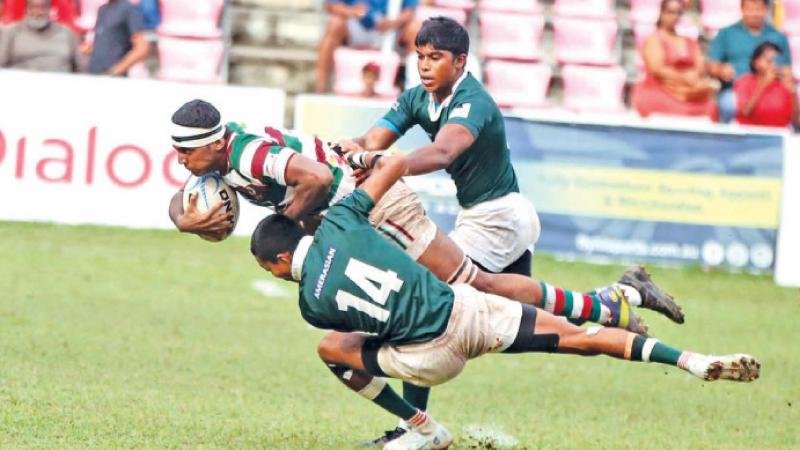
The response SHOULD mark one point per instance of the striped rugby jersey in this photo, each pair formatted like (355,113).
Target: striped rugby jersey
(257,165)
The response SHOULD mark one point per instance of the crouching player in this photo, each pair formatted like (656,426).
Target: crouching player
(353,281)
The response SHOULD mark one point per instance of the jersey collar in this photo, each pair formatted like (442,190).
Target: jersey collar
(299,256)
(433,111)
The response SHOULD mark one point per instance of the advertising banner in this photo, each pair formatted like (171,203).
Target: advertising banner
(97,150)
(708,196)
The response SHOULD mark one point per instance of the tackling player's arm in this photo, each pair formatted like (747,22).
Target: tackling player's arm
(377,138)
(195,222)
(388,170)
(451,141)
(311,182)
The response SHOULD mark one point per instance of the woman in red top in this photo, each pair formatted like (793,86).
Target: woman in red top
(675,82)
(765,96)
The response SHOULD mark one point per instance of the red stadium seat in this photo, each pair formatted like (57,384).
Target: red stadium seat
(425,12)
(518,6)
(515,84)
(466,5)
(348,64)
(791,16)
(511,36)
(597,89)
(194,60)
(191,18)
(717,14)
(582,41)
(590,9)
(794,47)
(62,11)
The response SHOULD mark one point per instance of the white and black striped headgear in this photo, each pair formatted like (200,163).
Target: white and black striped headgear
(196,124)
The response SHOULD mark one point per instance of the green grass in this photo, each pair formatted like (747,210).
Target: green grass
(113,338)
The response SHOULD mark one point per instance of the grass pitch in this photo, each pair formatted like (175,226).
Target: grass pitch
(112,338)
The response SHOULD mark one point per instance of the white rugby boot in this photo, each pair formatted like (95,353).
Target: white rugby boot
(430,436)
(736,367)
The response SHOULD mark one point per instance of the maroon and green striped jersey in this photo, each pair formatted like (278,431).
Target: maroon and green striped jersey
(257,165)
(352,279)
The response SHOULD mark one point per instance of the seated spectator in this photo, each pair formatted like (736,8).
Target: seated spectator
(361,23)
(731,50)
(370,74)
(63,11)
(675,82)
(38,43)
(765,96)
(119,39)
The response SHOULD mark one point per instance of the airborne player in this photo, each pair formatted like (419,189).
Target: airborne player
(424,331)
(300,176)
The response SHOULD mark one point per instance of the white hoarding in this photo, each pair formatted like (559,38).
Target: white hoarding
(96,150)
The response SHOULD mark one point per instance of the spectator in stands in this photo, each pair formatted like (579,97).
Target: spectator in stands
(731,50)
(765,96)
(361,23)
(38,43)
(675,82)
(370,74)
(119,39)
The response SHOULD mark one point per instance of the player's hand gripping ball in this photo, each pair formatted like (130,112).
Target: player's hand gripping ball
(213,194)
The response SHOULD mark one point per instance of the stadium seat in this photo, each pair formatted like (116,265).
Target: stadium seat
(791,17)
(425,12)
(191,18)
(515,84)
(589,9)
(518,6)
(466,5)
(511,35)
(794,47)
(644,11)
(193,60)
(582,41)
(348,64)
(593,89)
(717,14)
(88,17)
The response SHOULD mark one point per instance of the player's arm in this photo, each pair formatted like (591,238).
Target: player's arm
(387,171)
(451,141)
(311,181)
(193,221)
(377,138)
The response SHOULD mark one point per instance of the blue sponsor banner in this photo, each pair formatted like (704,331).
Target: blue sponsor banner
(613,192)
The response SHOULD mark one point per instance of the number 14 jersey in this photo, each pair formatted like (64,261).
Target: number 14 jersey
(351,279)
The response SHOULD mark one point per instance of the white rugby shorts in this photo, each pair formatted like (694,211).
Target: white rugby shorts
(480,323)
(401,219)
(497,232)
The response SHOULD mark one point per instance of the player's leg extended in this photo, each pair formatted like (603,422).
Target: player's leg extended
(447,261)
(541,331)
(343,354)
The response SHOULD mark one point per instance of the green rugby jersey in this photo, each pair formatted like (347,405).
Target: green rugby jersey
(257,165)
(483,172)
(352,279)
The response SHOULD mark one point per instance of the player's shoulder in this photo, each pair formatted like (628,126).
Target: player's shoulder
(350,211)
(470,89)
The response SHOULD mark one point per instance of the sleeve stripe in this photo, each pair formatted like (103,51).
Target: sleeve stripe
(385,123)
(257,163)
(318,149)
(275,134)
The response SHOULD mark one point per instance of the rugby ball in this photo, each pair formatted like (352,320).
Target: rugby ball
(212,189)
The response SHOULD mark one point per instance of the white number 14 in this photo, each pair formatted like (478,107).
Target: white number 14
(376,283)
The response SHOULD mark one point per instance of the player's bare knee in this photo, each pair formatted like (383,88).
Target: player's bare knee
(329,348)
